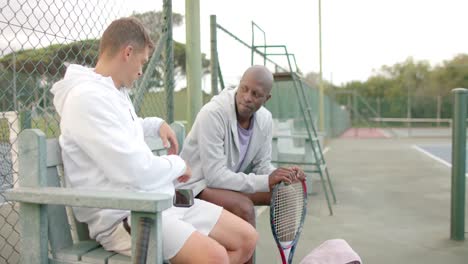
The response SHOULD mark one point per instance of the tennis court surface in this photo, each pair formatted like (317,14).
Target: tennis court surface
(393,204)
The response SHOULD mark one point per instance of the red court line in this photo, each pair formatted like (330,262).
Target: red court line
(364,133)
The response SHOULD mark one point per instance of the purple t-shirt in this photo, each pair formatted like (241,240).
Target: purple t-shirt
(244,140)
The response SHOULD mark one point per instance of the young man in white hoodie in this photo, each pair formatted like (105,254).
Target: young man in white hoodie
(229,148)
(103,147)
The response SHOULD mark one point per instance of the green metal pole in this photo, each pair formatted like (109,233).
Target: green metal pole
(355,114)
(15,97)
(253,44)
(439,107)
(457,209)
(321,100)
(25,119)
(214,56)
(169,61)
(379,111)
(332,118)
(408,111)
(193,59)
(220,73)
(142,84)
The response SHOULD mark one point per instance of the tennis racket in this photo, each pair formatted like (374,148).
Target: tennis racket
(287,214)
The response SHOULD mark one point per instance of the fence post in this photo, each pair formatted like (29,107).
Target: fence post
(169,61)
(193,59)
(457,205)
(214,56)
(15,128)
(439,108)
(25,119)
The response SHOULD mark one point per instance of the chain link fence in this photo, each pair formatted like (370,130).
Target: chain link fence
(430,109)
(397,107)
(38,39)
(284,106)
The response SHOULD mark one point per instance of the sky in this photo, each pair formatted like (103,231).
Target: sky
(358,36)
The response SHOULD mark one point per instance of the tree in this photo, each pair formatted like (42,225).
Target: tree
(51,59)
(426,85)
(47,65)
(153,21)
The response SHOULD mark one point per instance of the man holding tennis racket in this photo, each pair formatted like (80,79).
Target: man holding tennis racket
(229,148)
(103,148)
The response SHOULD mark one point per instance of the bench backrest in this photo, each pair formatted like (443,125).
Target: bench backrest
(63,229)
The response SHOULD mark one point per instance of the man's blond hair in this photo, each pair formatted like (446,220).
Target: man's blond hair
(123,32)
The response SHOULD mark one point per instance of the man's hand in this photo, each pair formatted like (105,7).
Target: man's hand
(299,173)
(281,174)
(168,136)
(187,174)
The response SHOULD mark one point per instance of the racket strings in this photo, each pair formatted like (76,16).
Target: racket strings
(288,209)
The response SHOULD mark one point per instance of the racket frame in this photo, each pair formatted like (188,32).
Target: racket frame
(292,245)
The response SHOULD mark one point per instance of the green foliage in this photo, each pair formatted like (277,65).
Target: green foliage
(179,57)
(154,23)
(391,86)
(50,60)
(30,73)
(154,104)
(4,130)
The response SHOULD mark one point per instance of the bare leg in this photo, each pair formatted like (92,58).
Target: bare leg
(259,198)
(240,204)
(237,236)
(234,202)
(201,249)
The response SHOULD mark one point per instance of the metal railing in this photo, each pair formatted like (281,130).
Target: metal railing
(337,118)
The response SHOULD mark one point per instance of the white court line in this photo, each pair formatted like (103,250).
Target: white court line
(385,133)
(433,157)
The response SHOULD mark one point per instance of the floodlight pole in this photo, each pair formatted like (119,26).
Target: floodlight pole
(321,89)
(193,59)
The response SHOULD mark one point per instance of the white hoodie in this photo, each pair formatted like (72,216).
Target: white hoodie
(103,145)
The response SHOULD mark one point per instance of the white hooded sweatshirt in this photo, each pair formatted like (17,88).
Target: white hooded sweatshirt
(103,145)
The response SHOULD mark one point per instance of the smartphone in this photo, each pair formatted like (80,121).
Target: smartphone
(183,198)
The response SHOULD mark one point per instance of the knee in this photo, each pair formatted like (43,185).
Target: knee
(251,238)
(249,242)
(246,211)
(217,254)
(201,249)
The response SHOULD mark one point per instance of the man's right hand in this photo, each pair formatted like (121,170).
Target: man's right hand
(187,174)
(279,175)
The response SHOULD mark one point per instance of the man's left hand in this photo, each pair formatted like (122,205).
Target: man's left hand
(300,175)
(168,136)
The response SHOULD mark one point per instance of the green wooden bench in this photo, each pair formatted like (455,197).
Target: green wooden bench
(50,234)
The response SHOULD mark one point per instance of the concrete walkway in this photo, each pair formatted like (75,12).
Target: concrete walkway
(393,206)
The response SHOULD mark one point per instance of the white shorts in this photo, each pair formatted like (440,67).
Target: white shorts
(178,223)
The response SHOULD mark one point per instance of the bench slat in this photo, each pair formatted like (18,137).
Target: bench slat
(97,256)
(126,200)
(59,228)
(54,155)
(119,259)
(74,252)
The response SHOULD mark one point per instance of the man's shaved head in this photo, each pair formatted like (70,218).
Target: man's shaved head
(261,74)
(253,91)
